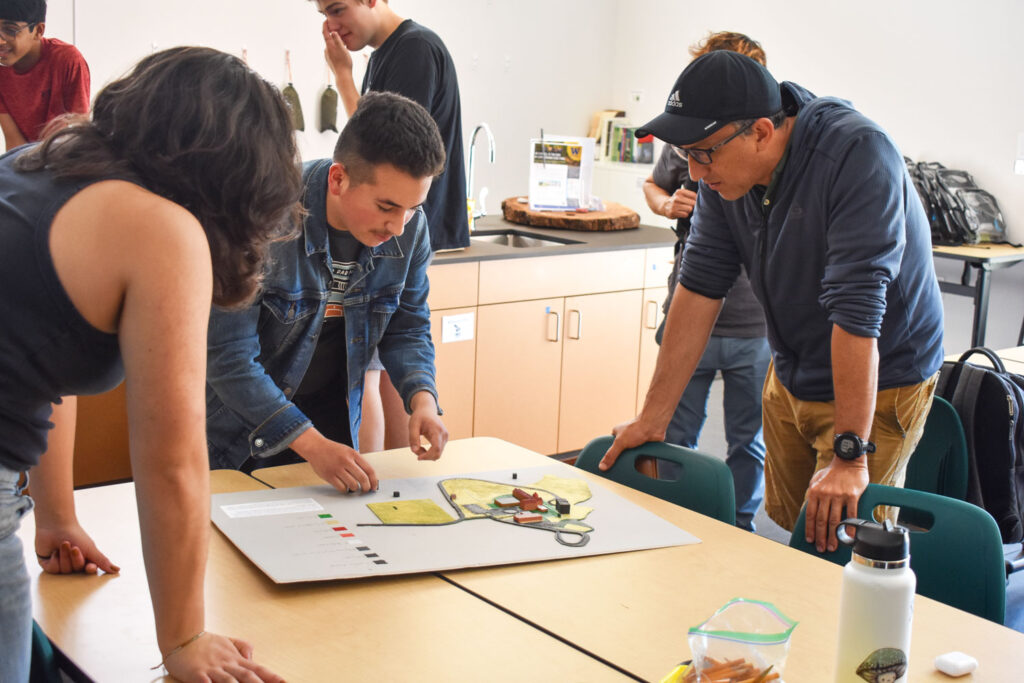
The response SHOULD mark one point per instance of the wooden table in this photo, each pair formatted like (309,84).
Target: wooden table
(983,258)
(412,628)
(633,610)
(1012,355)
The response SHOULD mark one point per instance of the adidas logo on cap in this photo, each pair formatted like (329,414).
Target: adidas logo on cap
(674,100)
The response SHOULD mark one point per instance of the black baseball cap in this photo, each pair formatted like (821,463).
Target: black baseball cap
(719,87)
(29,11)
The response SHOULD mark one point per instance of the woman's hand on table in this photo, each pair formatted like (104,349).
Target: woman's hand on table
(214,657)
(69,550)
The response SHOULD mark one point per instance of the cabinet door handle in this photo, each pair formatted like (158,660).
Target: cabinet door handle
(652,315)
(556,328)
(579,323)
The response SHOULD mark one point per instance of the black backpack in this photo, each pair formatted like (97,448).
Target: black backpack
(959,212)
(989,401)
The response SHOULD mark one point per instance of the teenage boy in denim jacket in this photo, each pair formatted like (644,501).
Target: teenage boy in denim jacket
(285,376)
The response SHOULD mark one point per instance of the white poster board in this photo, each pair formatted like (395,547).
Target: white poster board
(316,533)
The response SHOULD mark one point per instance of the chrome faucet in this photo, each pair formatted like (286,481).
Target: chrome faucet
(479,210)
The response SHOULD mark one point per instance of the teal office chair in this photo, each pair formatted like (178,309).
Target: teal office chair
(958,560)
(43,667)
(939,463)
(705,485)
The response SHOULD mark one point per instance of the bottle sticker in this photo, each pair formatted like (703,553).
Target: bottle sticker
(885,665)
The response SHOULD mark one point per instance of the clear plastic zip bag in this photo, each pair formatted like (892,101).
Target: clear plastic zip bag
(746,641)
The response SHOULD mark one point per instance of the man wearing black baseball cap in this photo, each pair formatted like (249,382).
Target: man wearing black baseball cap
(814,200)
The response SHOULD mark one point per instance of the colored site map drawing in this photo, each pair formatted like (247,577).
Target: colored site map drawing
(559,510)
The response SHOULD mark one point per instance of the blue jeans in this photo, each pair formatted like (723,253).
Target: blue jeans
(743,363)
(15,601)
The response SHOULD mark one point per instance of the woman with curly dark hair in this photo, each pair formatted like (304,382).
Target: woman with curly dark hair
(116,234)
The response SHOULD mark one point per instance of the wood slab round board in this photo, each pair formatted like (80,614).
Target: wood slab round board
(614,217)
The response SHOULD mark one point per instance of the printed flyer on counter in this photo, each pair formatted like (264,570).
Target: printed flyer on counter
(561,173)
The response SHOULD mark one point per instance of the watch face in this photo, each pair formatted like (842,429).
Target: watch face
(847,446)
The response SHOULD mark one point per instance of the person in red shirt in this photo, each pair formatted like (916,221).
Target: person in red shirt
(40,78)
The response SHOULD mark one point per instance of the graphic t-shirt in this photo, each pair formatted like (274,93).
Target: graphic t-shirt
(329,363)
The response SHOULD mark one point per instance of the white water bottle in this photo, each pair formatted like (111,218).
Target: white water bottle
(876,609)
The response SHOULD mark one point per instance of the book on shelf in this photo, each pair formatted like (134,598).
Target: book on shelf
(623,145)
(599,129)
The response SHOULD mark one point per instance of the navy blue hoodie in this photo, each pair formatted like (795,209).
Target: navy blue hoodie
(845,241)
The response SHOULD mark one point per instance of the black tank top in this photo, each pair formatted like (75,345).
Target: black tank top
(47,349)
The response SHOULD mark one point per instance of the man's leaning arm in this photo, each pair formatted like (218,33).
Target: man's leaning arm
(688,326)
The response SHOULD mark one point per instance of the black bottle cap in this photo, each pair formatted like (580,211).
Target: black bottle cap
(883,542)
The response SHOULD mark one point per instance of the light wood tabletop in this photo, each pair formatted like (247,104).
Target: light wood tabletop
(1014,354)
(983,259)
(411,628)
(634,609)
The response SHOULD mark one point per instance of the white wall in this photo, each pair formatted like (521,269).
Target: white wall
(945,78)
(522,64)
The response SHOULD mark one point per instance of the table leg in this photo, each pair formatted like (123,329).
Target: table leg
(981,293)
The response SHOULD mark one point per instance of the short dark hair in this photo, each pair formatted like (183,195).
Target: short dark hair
(198,127)
(31,11)
(387,128)
(777,118)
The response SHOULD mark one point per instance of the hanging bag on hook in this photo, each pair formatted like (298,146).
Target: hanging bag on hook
(291,96)
(329,110)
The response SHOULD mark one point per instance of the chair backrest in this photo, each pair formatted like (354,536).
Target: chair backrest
(704,485)
(43,667)
(939,463)
(958,560)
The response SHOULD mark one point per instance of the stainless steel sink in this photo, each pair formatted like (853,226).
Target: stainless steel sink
(518,238)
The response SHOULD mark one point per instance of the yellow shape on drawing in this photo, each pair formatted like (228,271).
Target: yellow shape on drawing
(482,493)
(423,511)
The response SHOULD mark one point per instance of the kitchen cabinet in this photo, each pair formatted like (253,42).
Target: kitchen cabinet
(518,372)
(455,367)
(651,317)
(452,300)
(599,365)
(563,343)
(552,372)
(660,261)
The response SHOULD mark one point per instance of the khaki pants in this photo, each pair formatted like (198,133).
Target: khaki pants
(798,436)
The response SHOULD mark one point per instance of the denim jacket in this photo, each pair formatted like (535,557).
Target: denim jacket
(257,356)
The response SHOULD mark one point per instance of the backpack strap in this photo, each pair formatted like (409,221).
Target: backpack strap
(965,402)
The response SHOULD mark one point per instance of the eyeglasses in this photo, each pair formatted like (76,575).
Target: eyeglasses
(11,31)
(703,156)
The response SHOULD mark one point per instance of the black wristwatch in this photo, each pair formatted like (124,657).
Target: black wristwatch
(849,446)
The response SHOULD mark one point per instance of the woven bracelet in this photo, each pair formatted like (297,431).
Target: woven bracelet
(178,649)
